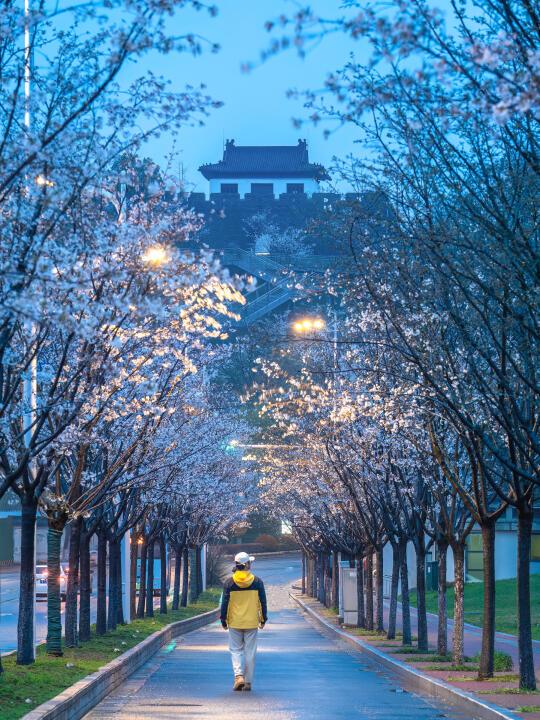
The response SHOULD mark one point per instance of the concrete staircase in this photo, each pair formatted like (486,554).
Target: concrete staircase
(279,274)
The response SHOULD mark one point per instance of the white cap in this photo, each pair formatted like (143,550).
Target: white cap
(242,558)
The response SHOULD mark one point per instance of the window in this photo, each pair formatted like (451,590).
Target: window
(295,187)
(475,556)
(229,187)
(535,547)
(262,188)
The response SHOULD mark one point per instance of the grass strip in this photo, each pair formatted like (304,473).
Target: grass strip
(508,691)
(501,678)
(364,633)
(454,668)
(23,688)
(528,708)
(505,604)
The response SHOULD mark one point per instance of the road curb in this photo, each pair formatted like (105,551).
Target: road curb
(416,680)
(74,702)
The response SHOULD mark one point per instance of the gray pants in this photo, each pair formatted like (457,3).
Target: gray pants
(243,647)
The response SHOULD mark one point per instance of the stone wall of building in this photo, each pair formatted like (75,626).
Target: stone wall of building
(226,215)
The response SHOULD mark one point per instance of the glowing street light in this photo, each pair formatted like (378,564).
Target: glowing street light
(155,255)
(302,326)
(42,180)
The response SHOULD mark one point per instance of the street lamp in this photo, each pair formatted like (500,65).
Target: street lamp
(42,180)
(156,255)
(317,323)
(307,324)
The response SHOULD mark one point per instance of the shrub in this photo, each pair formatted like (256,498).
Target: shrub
(287,542)
(502,661)
(269,541)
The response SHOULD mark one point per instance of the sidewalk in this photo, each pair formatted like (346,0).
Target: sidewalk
(472,638)
(501,692)
(300,675)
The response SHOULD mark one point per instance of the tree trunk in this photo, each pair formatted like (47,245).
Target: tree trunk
(396,559)
(328,580)
(198,566)
(459,590)
(379,600)
(177,574)
(84,610)
(112,615)
(185,577)
(322,593)
(303,573)
(442,615)
(313,577)
(421,599)
(54,606)
(133,558)
(163,568)
(335,580)
(150,581)
(405,602)
(526,659)
(361,611)
(369,589)
(487,653)
(119,605)
(101,612)
(72,594)
(27,591)
(142,579)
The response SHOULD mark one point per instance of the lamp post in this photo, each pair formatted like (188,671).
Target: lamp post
(303,327)
(30,382)
(310,324)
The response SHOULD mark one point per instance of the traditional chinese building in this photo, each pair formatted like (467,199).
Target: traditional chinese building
(264,170)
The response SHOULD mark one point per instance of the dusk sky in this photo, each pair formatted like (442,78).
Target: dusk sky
(256,110)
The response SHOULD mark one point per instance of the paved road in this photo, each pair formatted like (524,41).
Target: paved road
(9,608)
(301,675)
(473,636)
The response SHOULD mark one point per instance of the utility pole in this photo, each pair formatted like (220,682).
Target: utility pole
(30,383)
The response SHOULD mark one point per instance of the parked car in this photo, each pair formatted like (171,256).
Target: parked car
(42,581)
(65,568)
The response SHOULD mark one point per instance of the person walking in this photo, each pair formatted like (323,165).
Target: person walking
(243,612)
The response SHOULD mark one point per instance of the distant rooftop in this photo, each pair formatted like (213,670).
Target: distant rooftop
(264,161)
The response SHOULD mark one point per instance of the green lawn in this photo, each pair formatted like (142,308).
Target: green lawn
(24,688)
(505,603)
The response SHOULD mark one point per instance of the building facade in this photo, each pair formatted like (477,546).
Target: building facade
(264,170)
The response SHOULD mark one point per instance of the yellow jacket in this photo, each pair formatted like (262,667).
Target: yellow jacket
(243,603)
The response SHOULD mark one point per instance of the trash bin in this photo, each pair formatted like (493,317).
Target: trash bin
(432,575)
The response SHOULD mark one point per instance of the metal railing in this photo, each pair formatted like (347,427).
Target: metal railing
(250,262)
(267,302)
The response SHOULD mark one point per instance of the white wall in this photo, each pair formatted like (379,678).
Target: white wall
(505,554)
(41,545)
(411,564)
(280,184)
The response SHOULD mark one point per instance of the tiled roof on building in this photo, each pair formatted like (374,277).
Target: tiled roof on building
(247,161)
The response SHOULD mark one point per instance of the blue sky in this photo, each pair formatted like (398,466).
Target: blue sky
(256,110)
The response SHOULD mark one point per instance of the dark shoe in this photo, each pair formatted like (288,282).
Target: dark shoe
(247,687)
(238,683)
